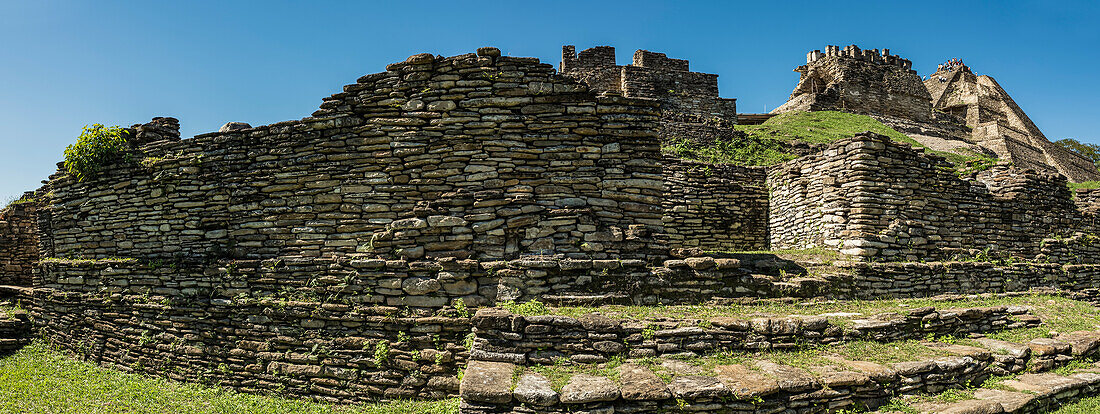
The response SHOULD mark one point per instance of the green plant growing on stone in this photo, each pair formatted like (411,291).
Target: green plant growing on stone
(381,352)
(468,341)
(95,148)
(402,337)
(530,308)
(461,309)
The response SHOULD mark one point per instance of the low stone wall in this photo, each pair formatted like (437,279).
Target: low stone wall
(764,388)
(423,285)
(876,199)
(1081,248)
(528,340)
(688,281)
(761,386)
(327,351)
(18,241)
(907,280)
(715,207)
(15,331)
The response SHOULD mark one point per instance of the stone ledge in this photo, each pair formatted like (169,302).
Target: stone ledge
(764,387)
(503,336)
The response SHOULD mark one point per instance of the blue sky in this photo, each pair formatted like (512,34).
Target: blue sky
(64,64)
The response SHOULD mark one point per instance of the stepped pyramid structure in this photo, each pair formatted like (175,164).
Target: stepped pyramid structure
(933,111)
(999,124)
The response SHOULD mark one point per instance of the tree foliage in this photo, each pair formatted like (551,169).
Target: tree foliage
(1091,151)
(95,148)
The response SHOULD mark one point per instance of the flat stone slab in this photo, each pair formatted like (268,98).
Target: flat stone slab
(489,382)
(1082,343)
(535,389)
(696,387)
(1003,347)
(1047,346)
(962,407)
(913,368)
(1010,401)
(639,383)
(584,388)
(1092,378)
(746,383)
(836,377)
(980,354)
(790,379)
(681,367)
(877,372)
(1045,384)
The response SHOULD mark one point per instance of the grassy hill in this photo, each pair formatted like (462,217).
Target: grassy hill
(820,127)
(773,141)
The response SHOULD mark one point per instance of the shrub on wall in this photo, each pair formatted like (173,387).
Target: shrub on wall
(94,149)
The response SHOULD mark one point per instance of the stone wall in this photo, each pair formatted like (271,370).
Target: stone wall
(1087,200)
(296,327)
(691,280)
(860,81)
(533,340)
(808,206)
(479,156)
(650,75)
(18,241)
(15,330)
(872,197)
(999,124)
(908,280)
(715,207)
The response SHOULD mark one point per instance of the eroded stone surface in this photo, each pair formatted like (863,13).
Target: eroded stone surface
(533,388)
(639,383)
(489,382)
(584,388)
(746,383)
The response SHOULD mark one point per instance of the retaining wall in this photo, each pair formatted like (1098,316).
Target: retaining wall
(18,241)
(878,199)
(715,207)
(479,156)
(529,340)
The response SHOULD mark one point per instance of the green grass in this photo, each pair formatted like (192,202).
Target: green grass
(1084,185)
(816,251)
(748,151)
(820,127)
(38,379)
(1084,406)
(768,143)
(1058,313)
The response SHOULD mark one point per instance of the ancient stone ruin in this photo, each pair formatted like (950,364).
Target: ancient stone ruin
(860,81)
(361,253)
(1000,125)
(952,104)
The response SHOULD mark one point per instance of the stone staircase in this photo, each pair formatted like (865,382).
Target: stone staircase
(15,330)
(574,375)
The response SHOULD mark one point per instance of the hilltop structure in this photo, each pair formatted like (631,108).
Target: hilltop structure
(998,124)
(860,81)
(360,253)
(932,111)
(650,75)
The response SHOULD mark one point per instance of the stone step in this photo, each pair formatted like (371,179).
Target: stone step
(15,331)
(506,337)
(761,386)
(1029,393)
